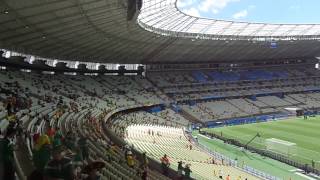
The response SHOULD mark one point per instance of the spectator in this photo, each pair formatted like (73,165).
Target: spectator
(228,177)
(70,141)
(126,149)
(144,175)
(92,170)
(130,159)
(41,157)
(84,147)
(59,167)
(51,132)
(187,171)
(165,163)
(9,107)
(213,160)
(57,139)
(43,140)
(306,168)
(220,174)
(7,153)
(180,169)
(36,137)
(14,103)
(144,161)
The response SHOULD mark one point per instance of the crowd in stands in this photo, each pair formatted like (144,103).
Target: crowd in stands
(51,127)
(53,121)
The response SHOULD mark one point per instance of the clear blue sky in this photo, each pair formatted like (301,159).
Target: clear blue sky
(267,11)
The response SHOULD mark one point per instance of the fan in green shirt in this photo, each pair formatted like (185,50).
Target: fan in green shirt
(57,139)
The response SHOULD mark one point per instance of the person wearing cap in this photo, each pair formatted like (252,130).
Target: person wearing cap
(59,167)
(126,149)
(43,140)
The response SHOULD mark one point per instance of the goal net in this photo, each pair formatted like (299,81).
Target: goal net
(282,147)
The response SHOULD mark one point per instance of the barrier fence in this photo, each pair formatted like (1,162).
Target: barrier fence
(290,160)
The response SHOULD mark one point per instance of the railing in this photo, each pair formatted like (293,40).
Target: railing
(18,168)
(270,154)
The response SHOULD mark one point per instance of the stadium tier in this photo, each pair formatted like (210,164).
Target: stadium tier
(173,142)
(137,89)
(77,106)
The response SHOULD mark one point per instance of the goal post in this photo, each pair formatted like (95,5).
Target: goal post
(282,147)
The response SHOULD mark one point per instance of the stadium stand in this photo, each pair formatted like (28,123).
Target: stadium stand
(79,102)
(174,143)
(65,105)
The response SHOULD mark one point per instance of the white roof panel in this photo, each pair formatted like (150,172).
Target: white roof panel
(209,27)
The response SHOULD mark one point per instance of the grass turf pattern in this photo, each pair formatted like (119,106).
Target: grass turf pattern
(305,133)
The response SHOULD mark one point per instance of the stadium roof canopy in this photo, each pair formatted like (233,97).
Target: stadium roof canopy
(98,31)
(163,16)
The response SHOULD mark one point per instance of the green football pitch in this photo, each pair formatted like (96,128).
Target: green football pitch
(305,133)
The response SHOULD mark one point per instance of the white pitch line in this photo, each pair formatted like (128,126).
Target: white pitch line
(204,136)
(294,170)
(307,177)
